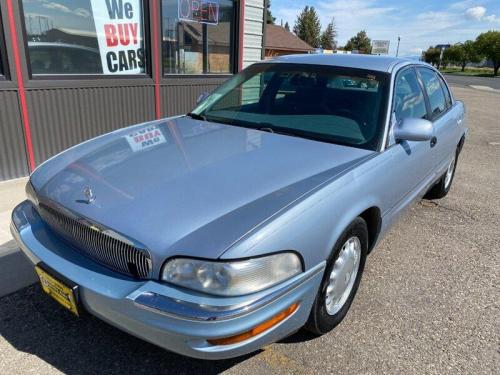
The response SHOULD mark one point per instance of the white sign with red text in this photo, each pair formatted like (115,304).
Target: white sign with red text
(119,30)
(144,138)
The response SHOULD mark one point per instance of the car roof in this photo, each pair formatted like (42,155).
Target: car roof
(371,62)
(61,45)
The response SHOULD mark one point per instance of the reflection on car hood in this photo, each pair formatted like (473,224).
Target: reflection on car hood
(187,187)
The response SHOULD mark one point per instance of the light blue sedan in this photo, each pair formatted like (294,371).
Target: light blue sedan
(218,232)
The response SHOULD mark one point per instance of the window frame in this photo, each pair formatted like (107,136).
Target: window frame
(234,48)
(447,93)
(89,77)
(429,108)
(4,72)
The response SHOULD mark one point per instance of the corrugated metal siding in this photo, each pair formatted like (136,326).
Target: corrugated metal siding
(253,31)
(181,98)
(63,117)
(12,151)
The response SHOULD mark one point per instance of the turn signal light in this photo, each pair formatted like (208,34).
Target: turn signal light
(256,330)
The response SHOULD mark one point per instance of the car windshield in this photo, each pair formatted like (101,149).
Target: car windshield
(325,103)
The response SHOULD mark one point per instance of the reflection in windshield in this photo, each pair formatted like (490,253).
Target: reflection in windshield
(324,103)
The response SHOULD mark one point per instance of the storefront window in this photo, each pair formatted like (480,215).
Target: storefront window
(198,36)
(78,37)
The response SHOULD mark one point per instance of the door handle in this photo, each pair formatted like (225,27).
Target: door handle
(434,140)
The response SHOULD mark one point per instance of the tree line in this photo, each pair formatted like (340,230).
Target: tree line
(308,28)
(486,46)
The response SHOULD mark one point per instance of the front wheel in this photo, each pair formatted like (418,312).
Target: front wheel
(341,280)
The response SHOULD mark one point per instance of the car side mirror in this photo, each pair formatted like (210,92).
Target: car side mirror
(202,97)
(413,129)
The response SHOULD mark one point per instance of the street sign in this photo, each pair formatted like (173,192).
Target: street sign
(380,47)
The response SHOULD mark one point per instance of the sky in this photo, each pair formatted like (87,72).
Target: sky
(419,23)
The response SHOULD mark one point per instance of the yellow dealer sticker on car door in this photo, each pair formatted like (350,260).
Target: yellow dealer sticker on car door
(58,290)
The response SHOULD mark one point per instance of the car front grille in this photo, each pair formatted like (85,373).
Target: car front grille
(96,244)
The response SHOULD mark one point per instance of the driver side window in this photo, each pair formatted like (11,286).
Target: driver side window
(409,99)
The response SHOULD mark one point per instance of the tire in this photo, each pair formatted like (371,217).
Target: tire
(325,314)
(443,186)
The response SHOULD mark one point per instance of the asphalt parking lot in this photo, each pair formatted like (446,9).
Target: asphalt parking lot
(429,301)
(465,81)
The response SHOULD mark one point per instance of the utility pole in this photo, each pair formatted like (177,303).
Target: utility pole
(397,49)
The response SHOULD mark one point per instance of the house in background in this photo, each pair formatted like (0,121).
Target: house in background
(278,42)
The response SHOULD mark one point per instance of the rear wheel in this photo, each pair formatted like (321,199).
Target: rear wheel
(341,280)
(442,187)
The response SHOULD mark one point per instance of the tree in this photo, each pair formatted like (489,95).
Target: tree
(452,55)
(327,39)
(307,26)
(488,45)
(432,56)
(287,26)
(461,54)
(269,17)
(360,42)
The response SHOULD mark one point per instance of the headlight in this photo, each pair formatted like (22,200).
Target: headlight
(232,278)
(31,193)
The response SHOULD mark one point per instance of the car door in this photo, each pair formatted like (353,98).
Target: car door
(441,115)
(410,164)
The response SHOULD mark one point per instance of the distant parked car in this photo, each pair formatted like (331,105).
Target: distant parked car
(62,58)
(215,233)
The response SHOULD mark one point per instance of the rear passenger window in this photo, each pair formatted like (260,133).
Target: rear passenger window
(409,98)
(434,92)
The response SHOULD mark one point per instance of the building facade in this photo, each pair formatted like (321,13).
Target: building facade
(71,70)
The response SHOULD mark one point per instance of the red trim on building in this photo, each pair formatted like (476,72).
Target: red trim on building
(242,32)
(156,59)
(20,84)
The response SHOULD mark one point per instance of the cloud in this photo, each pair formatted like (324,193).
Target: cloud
(462,5)
(81,12)
(478,13)
(361,8)
(57,6)
(475,13)
(62,8)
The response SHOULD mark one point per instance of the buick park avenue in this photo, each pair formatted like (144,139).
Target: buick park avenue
(217,232)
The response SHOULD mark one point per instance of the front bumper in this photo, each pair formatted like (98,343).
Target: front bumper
(176,319)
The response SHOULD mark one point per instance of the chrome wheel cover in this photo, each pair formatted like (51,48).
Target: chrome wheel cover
(343,275)
(449,173)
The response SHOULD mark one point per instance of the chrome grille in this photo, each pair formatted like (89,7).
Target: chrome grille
(97,245)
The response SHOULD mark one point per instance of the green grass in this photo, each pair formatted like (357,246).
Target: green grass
(478,72)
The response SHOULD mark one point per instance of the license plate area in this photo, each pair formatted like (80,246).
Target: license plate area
(60,289)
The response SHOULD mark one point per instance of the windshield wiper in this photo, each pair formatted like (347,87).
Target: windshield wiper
(266,127)
(196,116)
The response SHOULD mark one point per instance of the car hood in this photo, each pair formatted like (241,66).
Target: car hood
(186,187)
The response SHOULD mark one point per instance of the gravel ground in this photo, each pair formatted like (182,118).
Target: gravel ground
(428,303)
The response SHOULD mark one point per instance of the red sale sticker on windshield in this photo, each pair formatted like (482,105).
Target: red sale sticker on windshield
(145,138)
